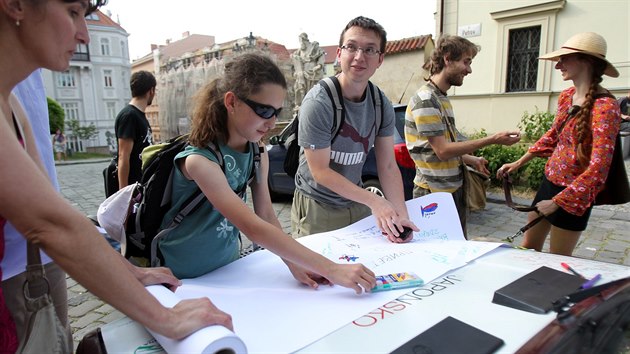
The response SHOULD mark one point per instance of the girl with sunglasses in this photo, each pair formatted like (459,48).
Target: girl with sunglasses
(230,112)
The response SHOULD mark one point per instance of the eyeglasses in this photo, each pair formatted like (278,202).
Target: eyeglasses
(262,110)
(369,51)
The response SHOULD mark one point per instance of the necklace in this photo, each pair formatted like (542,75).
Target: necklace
(437,87)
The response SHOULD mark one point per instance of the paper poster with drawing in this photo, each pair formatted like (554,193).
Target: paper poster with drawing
(259,289)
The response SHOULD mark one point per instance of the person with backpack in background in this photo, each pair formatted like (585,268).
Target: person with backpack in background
(438,149)
(231,112)
(328,187)
(133,132)
(45,33)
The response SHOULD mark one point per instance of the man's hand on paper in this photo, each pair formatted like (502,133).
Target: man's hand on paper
(389,221)
(191,315)
(305,276)
(399,227)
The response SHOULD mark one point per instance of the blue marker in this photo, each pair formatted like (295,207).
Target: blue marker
(591,282)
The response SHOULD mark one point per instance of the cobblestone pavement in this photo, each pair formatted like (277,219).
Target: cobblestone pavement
(606,238)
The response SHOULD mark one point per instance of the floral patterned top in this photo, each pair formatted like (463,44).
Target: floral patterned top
(560,143)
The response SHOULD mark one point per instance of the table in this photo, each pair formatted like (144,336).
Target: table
(465,293)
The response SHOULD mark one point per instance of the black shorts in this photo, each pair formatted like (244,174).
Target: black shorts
(561,218)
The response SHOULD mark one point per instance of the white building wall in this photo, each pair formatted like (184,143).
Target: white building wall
(90,91)
(482,101)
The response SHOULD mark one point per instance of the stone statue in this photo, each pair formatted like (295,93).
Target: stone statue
(308,67)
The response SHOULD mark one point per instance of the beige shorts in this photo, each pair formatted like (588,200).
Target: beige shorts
(309,216)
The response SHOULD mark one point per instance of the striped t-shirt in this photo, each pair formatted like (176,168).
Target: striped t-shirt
(426,116)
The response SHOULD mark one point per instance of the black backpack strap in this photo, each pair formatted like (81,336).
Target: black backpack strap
(214,149)
(255,171)
(188,207)
(333,89)
(378,105)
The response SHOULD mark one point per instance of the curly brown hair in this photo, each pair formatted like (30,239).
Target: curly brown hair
(244,75)
(452,47)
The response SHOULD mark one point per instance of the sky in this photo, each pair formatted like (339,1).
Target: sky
(280,21)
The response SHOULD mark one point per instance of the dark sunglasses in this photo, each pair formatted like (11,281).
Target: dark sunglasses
(262,110)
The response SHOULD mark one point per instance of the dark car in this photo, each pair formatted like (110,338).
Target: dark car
(281,184)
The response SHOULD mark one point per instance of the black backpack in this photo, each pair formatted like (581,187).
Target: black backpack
(153,198)
(110,177)
(333,89)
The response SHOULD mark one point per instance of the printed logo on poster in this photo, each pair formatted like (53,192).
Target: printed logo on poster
(428,210)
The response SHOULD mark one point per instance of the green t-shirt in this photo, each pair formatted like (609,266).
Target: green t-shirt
(205,240)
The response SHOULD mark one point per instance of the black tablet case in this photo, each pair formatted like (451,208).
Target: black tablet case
(451,336)
(536,291)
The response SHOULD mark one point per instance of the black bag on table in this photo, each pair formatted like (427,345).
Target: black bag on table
(589,321)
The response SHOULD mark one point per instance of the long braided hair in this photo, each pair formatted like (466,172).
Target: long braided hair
(583,116)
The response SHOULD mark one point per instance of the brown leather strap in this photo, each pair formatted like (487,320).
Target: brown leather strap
(522,230)
(507,189)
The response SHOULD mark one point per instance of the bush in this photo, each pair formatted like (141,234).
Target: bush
(534,172)
(497,155)
(535,125)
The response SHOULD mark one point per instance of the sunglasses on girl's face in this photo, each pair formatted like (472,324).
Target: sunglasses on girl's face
(262,110)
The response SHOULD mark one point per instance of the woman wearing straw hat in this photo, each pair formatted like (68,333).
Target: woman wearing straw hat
(579,145)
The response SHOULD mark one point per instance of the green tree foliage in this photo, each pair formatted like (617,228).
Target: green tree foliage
(56,115)
(81,132)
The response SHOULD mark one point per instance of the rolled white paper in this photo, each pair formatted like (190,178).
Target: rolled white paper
(208,340)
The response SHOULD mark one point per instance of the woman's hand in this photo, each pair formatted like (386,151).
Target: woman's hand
(506,169)
(154,276)
(191,315)
(546,207)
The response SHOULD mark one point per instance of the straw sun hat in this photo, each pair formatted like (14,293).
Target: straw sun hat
(588,43)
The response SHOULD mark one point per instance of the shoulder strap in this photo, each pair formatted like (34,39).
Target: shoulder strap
(378,106)
(214,149)
(255,171)
(333,89)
